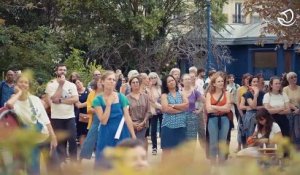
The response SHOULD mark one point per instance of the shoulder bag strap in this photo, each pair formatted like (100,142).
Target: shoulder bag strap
(34,114)
(219,99)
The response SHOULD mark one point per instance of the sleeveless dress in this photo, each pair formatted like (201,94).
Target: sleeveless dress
(173,131)
(81,126)
(106,133)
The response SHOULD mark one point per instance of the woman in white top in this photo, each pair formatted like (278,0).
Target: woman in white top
(32,114)
(266,132)
(266,128)
(277,104)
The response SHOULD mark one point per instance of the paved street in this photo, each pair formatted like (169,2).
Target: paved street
(200,152)
(156,159)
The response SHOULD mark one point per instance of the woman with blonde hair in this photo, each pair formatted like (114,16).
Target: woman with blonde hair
(144,83)
(155,107)
(193,120)
(32,114)
(113,112)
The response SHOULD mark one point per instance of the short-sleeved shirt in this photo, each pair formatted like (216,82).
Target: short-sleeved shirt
(242,90)
(276,100)
(6,92)
(275,129)
(260,97)
(139,109)
(24,111)
(294,95)
(199,85)
(99,101)
(62,111)
(193,99)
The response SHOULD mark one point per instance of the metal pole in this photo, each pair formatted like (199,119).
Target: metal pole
(209,55)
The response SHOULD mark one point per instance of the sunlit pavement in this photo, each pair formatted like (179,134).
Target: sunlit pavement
(156,159)
(200,152)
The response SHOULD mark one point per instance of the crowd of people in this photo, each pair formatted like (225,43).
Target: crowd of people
(179,107)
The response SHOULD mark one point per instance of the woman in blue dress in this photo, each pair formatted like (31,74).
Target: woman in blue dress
(115,123)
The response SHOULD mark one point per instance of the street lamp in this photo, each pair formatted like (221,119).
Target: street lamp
(209,54)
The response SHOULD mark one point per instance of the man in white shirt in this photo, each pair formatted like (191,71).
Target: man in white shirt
(200,80)
(62,96)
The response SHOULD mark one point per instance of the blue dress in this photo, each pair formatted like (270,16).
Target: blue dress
(106,133)
(81,126)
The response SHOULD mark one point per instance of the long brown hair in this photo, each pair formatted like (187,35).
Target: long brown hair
(271,84)
(212,88)
(264,114)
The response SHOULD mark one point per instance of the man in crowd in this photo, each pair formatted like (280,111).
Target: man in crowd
(62,96)
(96,77)
(7,87)
(200,80)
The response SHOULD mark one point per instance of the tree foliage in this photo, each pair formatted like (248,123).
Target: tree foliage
(37,49)
(127,34)
(269,11)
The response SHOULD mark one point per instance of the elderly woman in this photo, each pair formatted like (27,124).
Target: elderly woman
(155,95)
(293,92)
(125,87)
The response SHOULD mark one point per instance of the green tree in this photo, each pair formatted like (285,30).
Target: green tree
(269,11)
(38,50)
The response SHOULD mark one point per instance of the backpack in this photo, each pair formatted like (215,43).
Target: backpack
(8,120)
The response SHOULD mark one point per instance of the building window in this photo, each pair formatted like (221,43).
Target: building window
(266,63)
(238,17)
(265,60)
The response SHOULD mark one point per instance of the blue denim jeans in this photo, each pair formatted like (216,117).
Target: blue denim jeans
(249,122)
(218,127)
(89,143)
(34,164)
